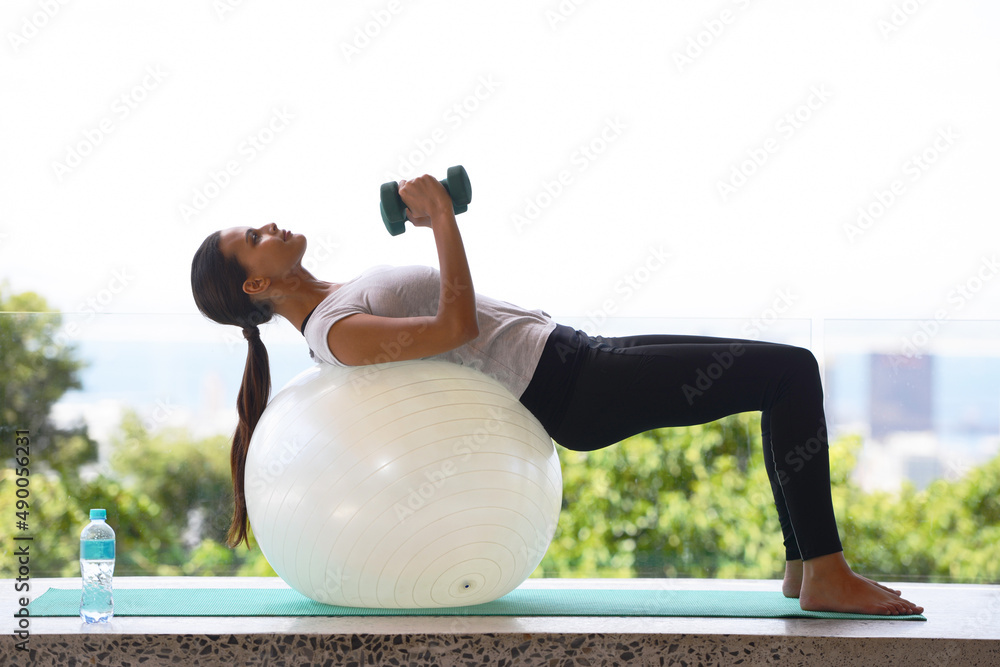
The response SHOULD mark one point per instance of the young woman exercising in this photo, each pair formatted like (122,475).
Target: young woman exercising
(588,392)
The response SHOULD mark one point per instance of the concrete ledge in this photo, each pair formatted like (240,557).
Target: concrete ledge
(963,628)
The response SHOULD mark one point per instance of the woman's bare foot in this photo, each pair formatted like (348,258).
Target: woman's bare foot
(829,584)
(791,586)
(792,583)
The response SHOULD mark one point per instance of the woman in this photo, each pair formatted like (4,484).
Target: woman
(588,392)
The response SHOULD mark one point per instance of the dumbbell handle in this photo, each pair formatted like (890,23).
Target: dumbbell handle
(457,185)
(443,182)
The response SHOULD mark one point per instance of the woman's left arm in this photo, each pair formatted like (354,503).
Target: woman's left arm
(428,205)
(359,339)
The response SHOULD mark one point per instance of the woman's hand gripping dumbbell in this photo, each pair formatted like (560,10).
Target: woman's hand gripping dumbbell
(394,210)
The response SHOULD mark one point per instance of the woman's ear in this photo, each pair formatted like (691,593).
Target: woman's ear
(254,286)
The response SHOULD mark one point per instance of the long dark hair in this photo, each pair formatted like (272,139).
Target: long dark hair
(217,284)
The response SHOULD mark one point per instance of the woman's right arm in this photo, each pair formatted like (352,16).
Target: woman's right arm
(360,339)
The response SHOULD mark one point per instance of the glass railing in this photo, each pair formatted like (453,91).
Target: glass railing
(143,425)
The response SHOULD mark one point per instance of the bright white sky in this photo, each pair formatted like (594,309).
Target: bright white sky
(159,96)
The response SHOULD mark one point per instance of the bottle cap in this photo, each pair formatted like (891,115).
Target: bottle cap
(98,514)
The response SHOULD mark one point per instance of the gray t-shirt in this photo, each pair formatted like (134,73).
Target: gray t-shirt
(510,341)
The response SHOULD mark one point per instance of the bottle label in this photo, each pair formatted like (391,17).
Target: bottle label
(97,549)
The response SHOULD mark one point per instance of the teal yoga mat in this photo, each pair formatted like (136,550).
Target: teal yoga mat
(521,602)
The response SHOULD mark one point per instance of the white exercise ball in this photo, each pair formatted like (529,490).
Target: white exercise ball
(402,485)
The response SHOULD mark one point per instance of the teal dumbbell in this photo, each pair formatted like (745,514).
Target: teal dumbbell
(394,210)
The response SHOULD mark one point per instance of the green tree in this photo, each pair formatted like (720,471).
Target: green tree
(691,502)
(671,502)
(153,488)
(188,481)
(696,502)
(180,474)
(949,531)
(37,367)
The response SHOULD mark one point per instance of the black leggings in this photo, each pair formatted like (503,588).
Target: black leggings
(590,392)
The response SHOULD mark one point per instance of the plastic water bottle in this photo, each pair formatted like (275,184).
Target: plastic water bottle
(97,565)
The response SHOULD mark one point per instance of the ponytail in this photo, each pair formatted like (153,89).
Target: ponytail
(217,286)
(250,404)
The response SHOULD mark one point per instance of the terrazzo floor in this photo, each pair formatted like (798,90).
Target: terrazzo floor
(963,628)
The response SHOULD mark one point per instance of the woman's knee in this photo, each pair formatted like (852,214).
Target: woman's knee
(803,358)
(802,364)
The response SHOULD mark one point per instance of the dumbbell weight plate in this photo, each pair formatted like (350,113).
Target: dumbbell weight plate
(392,208)
(459,188)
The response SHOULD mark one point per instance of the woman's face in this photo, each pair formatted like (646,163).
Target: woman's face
(265,252)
